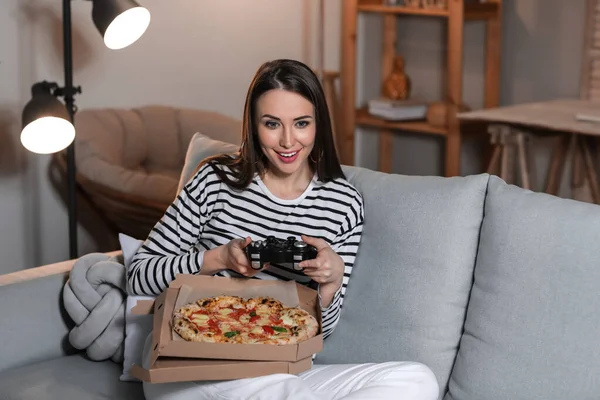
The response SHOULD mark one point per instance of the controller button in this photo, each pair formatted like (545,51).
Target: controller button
(299,244)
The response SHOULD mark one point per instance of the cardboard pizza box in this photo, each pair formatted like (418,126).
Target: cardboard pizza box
(167,370)
(200,360)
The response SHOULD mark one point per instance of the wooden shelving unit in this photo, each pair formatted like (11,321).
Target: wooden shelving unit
(456,14)
(364,118)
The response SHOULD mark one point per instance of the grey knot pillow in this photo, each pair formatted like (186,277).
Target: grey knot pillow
(94,299)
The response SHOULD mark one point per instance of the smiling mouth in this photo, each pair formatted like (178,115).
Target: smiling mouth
(288,155)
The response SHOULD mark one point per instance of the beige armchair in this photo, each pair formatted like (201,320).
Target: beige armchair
(129,161)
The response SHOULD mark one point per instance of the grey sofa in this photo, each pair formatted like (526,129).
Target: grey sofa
(495,288)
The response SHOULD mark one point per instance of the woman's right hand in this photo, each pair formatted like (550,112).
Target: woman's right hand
(229,256)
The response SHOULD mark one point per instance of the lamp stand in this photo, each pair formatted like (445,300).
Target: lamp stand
(68,93)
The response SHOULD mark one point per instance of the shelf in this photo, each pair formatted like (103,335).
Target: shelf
(473,11)
(365,119)
(453,18)
(382,9)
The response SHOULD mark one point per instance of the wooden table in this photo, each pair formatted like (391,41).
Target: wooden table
(512,128)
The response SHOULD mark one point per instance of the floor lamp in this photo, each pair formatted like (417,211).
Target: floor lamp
(48,124)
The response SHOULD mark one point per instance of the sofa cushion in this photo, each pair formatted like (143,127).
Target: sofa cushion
(201,147)
(408,293)
(71,377)
(38,327)
(533,323)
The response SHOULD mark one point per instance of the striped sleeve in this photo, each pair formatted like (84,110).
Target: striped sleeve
(170,247)
(346,246)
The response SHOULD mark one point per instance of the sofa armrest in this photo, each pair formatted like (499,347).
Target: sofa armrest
(34,325)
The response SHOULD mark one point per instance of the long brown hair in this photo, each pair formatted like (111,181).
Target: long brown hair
(292,76)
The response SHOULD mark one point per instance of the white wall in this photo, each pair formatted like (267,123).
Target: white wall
(196,53)
(203,53)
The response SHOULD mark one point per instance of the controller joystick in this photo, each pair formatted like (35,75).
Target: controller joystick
(278,251)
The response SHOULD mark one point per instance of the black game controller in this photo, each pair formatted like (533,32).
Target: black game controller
(277,251)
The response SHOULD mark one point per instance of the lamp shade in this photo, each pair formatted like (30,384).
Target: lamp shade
(120,22)
(46,124)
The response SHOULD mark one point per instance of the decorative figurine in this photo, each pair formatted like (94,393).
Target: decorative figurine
(397,85)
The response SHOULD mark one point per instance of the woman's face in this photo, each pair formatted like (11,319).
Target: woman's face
(286,131)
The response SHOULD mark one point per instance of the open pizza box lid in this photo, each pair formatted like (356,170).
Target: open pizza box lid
(170,351)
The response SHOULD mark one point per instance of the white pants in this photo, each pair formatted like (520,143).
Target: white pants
(391,380)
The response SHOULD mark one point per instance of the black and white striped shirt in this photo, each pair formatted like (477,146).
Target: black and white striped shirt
(207,214)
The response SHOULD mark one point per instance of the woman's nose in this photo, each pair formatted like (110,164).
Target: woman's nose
(286,140)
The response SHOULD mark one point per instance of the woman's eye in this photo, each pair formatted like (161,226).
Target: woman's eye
(302,124)
(271,124)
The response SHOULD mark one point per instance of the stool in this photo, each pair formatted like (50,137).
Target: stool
(581,149)
(505,141)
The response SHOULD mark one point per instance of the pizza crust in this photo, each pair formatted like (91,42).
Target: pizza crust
(232,319)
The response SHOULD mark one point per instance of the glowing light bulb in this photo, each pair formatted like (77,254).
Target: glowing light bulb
(127,28)
(47,135)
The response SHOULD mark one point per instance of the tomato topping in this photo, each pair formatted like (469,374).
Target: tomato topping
(238,313)
(214,326)
(256,317)
(275,319)
(268,330)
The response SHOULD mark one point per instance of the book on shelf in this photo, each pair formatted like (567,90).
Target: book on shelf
(398,110)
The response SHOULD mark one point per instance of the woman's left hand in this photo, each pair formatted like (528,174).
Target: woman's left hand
(327,269)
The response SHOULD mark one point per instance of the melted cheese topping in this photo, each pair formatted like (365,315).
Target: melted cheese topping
(245,318)
(200,319)
(257,330)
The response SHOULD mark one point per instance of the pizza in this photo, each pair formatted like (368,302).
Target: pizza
(233,319)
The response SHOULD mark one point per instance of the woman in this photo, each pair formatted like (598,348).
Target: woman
(285,181)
